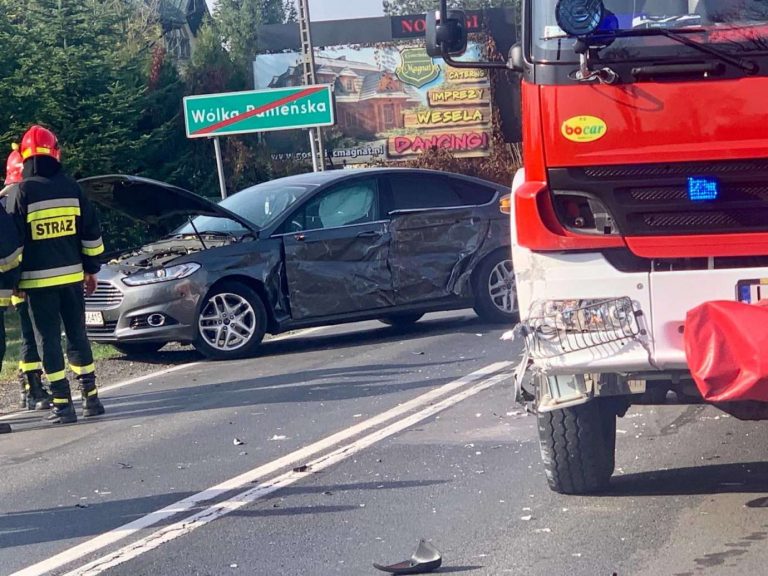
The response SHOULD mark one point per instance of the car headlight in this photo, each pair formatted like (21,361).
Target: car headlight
(162,274)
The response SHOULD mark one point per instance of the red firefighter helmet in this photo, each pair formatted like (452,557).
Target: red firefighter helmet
(13,166)
(39,141)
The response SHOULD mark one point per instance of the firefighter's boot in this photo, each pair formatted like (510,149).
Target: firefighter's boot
(37,397)
(92,406)
(23,384)
(63,411)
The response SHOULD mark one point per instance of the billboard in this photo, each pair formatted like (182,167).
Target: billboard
(393,102)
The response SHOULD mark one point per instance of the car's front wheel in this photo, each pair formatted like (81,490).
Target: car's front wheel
(231,323)
(495,289)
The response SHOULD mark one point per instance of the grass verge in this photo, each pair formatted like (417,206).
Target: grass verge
(13,344)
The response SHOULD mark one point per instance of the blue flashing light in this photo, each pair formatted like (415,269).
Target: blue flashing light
(703,189)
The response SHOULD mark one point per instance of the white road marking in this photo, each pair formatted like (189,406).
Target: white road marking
(200,519)
(257,474)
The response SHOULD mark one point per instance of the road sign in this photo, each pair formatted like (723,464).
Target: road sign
(258,111)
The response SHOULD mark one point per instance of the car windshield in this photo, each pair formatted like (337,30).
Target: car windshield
(735,26)
(260,204)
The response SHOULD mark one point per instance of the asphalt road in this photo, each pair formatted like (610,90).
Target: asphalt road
(344,447)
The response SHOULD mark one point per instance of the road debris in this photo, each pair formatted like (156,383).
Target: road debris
(302,468)
(426,559)
(124,466)
(526,518)
(279,437)
(543,530)
(238,442)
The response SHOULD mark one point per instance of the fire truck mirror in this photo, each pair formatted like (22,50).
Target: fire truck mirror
(446,35)
(516,61)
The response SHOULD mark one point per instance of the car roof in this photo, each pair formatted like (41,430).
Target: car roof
(329,176)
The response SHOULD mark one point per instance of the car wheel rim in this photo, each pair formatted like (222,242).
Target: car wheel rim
(501,287)
(227,322)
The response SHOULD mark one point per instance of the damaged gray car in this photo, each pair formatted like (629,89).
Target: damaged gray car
(307,250)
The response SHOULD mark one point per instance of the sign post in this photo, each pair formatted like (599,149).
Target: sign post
(220,167)
(215,115)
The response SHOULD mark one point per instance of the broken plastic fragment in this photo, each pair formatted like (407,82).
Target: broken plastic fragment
(526,518)
(426,559)
(279,437)
(237,442)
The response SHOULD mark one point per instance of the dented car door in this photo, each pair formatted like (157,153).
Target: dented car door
(337,252)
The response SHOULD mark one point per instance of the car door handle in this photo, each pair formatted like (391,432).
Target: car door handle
(369,234)
(299,237)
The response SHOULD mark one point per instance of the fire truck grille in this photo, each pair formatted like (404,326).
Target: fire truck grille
(652,199)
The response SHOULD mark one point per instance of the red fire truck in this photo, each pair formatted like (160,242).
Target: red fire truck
(644,194)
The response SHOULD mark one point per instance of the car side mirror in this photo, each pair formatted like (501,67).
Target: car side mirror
(446,35)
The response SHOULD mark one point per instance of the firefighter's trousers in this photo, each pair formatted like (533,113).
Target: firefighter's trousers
(30,360)
(2,336)
(49,308)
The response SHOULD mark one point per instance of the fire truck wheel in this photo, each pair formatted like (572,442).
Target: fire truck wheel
(578,447)
(495,290)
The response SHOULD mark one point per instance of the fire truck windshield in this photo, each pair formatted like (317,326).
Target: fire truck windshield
(733,26)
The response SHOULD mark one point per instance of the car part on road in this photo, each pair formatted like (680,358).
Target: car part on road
(495,291)
(231,323)
(401,320)
(578,447)
(138,348)
(426,559)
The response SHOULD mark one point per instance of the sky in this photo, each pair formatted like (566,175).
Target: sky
(338,9)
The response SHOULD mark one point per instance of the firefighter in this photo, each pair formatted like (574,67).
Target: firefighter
(62,242)
(33,394)
(10,257)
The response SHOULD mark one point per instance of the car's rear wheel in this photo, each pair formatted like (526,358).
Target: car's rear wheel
(231,323)
(401,320)
(495,289)
(138,348)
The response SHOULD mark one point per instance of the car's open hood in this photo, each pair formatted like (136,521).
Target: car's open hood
(151,201)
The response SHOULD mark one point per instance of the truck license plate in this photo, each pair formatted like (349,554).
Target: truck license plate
(94,319)
(751,291)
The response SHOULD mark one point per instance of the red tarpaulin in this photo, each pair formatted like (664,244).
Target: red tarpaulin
(726,344)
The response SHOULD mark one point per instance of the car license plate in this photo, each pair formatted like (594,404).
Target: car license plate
(94,319)
(751,291)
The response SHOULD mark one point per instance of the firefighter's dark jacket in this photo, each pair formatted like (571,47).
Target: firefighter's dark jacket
(10,250)
(60,231)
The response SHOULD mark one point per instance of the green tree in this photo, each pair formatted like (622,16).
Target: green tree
(237,21)
(400,7)
(95,72)
(72,66)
